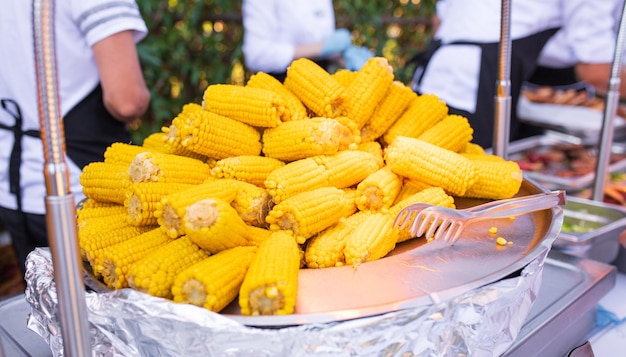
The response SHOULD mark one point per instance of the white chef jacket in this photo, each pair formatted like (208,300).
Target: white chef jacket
(452,73)
(79,24)
(273,28)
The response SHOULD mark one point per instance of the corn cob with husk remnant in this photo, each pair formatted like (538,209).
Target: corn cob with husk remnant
(215,281)
(257,107)
(271,282)
(154,274)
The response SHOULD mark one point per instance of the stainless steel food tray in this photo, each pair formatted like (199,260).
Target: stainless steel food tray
(416,273)
(577,183)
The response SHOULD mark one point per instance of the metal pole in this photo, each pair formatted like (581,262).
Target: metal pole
(610,111)
(60,205)
(503,91)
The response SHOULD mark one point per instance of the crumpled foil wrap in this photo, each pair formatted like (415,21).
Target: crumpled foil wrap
(480,322)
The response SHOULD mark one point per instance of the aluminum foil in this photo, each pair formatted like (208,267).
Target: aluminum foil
(481,322)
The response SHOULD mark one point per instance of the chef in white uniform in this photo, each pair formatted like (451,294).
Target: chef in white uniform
(278,31)
(101,89)
(461,65)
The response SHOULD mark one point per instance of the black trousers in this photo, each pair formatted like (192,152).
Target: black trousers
(28,231)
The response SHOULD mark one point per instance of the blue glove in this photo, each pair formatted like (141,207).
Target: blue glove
(339,41)
(356,57)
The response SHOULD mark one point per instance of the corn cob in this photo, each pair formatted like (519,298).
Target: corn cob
(252,169)
(423,112)
(105,182)
(435,196)
(112,262)
(481,157)
(345,76)
(495,179)
(167,168)
(257,107)
(252,203)
(373,147)
(390,108)
(409,188)
(310,212)
(300,139)
(122,153)
(215,225)
(347,168)
(316,88)
(161,142)
(378,191)
(453,132)
(90,210)
(295,110)
(271,282)
(171,209)
(367,90)
(258,235)
(295,177)
(215,281)
(326,248)
(91,203)
(473,148)
(212,135)
(154,274)
(419,160)
(142,199)
(371,240)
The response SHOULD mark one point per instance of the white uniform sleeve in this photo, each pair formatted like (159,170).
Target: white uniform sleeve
(98,19)
(261,47)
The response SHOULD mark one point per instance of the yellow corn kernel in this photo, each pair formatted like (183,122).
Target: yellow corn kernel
(493,230)
(310,212)
(142,199)
(168,168)
(257,107)
(252,203)
(160,142)
(453,132)
(495,179)
(326,248)
(419,160)
(271,283)
(294,109)
(373,147)
(105,182)
(482,157)
(378,191)
(215,281)
(258,235)
(316,88)
(171,208)
(295,177)
(390,108)
(154,274)
(367,90)
(300,139)
(248,168)
(91,203)
(112,262)
(473,148)
(215,225)
(501,241)
(122,153)
(212,135)
(345,76)
(90,210)
(435,196)
(371,240)
(348,167)
(422,113)
(409,188)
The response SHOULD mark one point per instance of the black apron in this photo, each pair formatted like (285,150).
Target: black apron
(524,54)
(88,127)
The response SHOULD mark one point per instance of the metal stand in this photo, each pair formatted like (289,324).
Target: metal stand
(503,91)
(60,205)
(610,111)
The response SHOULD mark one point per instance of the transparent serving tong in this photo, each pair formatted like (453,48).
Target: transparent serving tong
(448,223)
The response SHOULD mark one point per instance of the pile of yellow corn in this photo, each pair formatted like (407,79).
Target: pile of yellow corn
(242,191)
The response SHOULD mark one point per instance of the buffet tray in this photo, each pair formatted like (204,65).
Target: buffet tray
(416,273)
(548,180)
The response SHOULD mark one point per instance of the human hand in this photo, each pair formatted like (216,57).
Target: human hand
(337,42)
(356,56)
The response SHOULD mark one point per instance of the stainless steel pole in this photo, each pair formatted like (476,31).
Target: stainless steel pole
(503,91)
(60,205)
(611,101)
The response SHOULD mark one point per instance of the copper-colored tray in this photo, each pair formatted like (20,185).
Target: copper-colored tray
(417,273)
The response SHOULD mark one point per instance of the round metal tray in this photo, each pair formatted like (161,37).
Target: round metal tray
(416,273)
